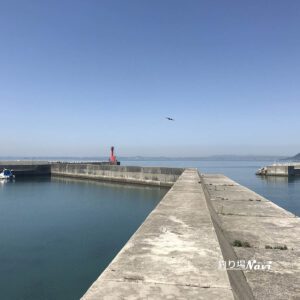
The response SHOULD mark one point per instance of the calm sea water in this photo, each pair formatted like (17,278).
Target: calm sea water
(57,235)
(283,191)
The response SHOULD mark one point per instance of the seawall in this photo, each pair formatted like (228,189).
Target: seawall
(27,168)
(288,169)
(124,174)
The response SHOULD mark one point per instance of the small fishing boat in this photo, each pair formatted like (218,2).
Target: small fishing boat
(262,171)
(6,174)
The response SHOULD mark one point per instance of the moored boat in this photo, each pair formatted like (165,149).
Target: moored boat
(6,174)
(262,171)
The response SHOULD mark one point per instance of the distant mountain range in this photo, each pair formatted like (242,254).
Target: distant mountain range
(293,158)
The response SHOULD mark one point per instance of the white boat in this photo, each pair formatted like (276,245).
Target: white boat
(6,174)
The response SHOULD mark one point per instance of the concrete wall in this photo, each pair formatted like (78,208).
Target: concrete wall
(282,170)
(296,170)
(127,174)
(26,168)
(239,284)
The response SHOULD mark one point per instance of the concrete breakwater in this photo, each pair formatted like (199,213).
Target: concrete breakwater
(27,168)
(173,255)
(158,176)
(203,222)
(126,174)
(289,169)
(251,228)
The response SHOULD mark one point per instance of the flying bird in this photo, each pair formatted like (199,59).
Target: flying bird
(170,119)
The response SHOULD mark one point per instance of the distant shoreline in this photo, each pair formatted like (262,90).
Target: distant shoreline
(151,158)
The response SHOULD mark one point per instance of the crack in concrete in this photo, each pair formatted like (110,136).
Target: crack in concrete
(170,283)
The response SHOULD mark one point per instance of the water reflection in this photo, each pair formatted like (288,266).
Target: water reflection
(279,179)
(107,184)
(63,232)
(5,182)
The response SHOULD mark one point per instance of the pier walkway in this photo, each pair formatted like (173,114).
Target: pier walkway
(272,235)
(202,221)
(173,255)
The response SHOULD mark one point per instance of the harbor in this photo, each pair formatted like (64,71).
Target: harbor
(204,220)
(199,198)
(176,251)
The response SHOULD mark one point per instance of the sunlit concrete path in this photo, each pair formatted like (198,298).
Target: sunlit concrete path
(173,255)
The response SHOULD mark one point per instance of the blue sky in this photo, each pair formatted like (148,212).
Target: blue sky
(79,76)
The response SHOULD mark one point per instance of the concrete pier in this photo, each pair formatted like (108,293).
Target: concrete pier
(173,255)
(158,176)
(287,169)
(272,234)
(201,222)
(27,168)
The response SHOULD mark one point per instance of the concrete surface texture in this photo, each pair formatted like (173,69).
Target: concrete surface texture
(248,217)
(126,174)
(175,253)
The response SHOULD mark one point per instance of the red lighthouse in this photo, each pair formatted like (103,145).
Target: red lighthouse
(113,159)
